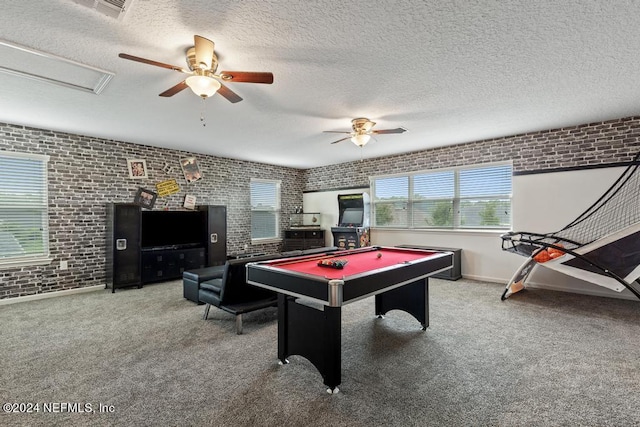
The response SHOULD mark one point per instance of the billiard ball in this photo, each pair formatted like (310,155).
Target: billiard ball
(379,255)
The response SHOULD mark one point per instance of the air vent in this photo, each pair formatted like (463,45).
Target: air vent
(113,8)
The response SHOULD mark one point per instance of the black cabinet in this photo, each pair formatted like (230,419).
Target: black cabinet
(176,241)
(123,246)
(168,264)
(216,239)
(303,239)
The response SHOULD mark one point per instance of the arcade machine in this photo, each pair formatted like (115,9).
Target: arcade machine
(353,226)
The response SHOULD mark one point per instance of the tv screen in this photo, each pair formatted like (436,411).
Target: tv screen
(352,216)
(173,228)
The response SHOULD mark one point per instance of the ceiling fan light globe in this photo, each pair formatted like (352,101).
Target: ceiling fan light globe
(203,86)
(360,140)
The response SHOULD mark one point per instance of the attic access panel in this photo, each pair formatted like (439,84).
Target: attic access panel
(29,63)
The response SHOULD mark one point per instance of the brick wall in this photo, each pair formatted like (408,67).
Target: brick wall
(585,145)
(86,173)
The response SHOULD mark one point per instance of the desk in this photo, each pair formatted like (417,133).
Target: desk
(310,296)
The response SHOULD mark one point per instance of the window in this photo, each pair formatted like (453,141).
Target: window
(265,209)
(477,197)
(24,228)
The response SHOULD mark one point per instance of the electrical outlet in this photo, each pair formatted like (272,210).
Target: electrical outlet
(64,265)
(246,246)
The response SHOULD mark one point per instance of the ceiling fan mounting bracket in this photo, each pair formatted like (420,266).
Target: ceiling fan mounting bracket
(362,125)
(193,65)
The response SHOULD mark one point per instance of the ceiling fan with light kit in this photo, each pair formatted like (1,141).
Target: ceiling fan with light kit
(202,65)
(362,130)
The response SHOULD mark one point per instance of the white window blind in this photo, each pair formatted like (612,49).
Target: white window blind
(485,197)
(265,209)
(24,231)
(477,197)
(390,201)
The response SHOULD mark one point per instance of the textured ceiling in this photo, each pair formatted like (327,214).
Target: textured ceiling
(449,72)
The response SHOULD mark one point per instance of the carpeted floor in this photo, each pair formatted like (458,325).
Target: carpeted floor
(541,358)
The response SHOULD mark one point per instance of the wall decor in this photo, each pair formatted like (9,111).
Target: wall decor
(137,168)
(190,169)
(168,187)
(168,169)
(190,201)
(145,198)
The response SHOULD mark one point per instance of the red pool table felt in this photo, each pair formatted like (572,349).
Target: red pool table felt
(358,263)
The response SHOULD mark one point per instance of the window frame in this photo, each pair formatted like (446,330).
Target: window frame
(43,257)
(277,210)
(456,200)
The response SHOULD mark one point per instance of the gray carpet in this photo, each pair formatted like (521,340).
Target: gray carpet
(541,358)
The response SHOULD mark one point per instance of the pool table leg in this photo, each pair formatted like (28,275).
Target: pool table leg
(412,298)
(314,333)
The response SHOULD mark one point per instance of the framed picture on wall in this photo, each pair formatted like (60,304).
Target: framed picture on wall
(190,169)
(137,168)
(145,198)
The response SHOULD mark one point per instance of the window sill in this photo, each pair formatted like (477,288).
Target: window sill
(24,262)
(266,240)
(469,231)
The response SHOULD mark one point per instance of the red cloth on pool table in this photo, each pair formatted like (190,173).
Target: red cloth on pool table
(358,263)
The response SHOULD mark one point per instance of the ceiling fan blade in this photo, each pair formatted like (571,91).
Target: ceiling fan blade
(246,77)
(340,140)
(155,63)
(175,89)
(204,52)
(396,130)
(335,131)
(230,95)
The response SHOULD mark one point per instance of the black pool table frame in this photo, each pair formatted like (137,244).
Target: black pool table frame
(310,308)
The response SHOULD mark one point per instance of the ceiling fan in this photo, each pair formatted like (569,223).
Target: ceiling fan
(202,65)
(362,131)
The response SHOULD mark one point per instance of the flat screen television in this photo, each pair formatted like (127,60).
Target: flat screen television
(173,228)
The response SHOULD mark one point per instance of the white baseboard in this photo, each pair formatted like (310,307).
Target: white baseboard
(484,279)
(27,298)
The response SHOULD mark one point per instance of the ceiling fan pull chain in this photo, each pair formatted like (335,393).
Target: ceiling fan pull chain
(204,123)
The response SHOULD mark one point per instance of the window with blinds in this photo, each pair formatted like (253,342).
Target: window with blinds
(265,209)
(24,229)
(477,197)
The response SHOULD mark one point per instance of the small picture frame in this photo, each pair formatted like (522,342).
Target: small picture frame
(190,169)
(145,198)
(189,201)
(137,168)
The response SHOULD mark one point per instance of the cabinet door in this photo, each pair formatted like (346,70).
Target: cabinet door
(126,245)
(216,235)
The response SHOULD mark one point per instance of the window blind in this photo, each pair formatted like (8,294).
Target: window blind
(476,197)
(24,232)
(390,201)
(265,209)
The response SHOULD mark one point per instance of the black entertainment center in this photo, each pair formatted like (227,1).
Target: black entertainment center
(152,246)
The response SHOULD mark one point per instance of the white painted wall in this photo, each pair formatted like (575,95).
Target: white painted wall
(326,203)
(541,203)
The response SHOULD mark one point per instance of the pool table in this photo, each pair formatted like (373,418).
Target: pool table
(311,292)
